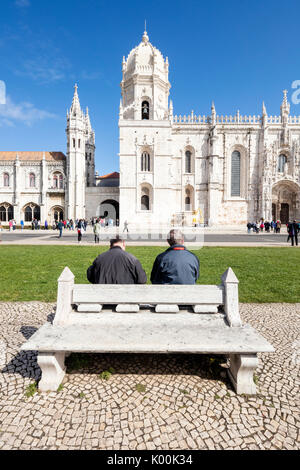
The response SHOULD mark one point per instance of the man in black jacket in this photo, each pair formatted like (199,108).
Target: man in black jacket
(116,266)
(293,230)
(176,265)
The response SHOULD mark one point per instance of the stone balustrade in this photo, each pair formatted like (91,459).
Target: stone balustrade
(236,119)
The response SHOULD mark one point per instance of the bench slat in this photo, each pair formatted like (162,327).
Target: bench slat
(148,294)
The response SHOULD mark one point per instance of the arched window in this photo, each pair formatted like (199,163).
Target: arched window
(2,214)
(145,110)
(187,200)
(188,162)
(145,162)
(145,199)
(145,202)
(58,181)
(32,212)
(10,213)
(281,162)
(236,174)
(6,212)
(37,212)
(28,214)
(55,180)
(5,179)
(32,180)
(58,214)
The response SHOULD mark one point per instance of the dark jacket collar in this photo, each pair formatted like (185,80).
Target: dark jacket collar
(116,246)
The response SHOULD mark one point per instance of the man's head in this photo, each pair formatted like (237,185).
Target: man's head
(117,242)
(175,237)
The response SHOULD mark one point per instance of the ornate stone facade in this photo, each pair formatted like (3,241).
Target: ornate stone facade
(210,169)
(174,169)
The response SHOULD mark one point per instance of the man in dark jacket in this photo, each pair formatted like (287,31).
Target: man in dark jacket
(176,265)
(115,266)
(293,230)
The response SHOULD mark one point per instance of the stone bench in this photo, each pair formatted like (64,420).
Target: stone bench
(197,319)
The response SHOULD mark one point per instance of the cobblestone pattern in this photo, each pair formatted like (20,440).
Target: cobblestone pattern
(150,401)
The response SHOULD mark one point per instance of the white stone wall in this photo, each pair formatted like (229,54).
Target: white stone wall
(20,194)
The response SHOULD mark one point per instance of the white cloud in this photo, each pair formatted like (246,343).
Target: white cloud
(91,75)
(24,112)
(44,70)
(22,3)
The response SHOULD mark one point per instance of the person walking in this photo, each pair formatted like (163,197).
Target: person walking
(79,230)
(60,227)
(46,225)
(267,227)
(125,227)
(22,224)
(96,230)
(293,232)
(278,226)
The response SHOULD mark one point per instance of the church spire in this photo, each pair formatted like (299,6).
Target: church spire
(75,108)
(145,37)
(285,106)
(88,121)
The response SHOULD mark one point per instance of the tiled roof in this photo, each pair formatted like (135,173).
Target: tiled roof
(115,174)
(32,156)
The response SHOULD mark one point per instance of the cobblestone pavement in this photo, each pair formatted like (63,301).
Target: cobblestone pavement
(150,402)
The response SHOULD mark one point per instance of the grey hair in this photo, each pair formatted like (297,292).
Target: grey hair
(175,237)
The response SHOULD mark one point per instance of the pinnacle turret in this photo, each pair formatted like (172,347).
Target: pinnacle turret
(75,107)
(213,114)
(285,106)
(88,121)
(264,111)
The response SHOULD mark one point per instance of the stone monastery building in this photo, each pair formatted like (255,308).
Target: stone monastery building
(174,169)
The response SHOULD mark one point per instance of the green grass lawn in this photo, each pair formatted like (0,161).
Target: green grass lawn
(265,274)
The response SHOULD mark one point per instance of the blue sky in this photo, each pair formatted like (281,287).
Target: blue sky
(237,53)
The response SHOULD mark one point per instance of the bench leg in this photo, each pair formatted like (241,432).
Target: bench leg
(242,368)
(53,370)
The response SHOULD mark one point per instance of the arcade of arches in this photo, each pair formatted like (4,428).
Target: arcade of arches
(286,201)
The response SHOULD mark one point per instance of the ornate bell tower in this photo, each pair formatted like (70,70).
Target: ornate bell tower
(145,85)
(76,128)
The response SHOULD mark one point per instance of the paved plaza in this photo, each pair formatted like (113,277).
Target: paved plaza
(153,402)
(233,236)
